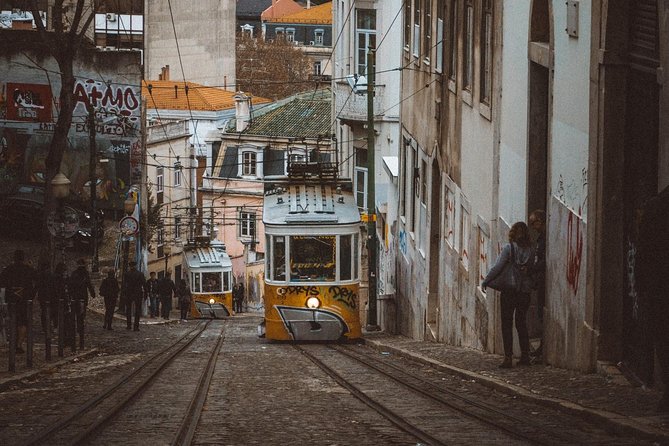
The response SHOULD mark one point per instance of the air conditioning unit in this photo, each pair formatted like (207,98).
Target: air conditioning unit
(111,17)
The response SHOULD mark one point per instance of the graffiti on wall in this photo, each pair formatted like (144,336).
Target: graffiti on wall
(27,121)
(574,193)
(403,241)
(631,278)
(574,250)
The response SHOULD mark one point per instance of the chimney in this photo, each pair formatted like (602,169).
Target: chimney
(308,4)
(242,111)
(164,73)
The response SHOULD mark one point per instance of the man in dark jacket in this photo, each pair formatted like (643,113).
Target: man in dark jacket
(109,290)
(166,288)
(652,269)
(19,281)
(134,286)
(152,292)
(79,286)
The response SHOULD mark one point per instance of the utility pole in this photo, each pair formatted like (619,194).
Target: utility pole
(371,193)
(93,180)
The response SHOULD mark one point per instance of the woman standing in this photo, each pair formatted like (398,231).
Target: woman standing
(521,251)
(184,295)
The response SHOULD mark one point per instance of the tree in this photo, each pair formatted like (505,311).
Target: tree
(271,69)
(63,41)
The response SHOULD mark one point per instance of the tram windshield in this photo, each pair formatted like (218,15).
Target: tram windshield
(212,282)
(313,258)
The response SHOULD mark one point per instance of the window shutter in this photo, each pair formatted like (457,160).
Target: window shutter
(644,34)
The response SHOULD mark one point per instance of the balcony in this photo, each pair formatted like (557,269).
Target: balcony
(353,106)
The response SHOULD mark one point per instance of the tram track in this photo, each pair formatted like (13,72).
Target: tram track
(90,417)
(526,429)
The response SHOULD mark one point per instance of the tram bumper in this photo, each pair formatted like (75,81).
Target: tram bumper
(213,311)
(306,324)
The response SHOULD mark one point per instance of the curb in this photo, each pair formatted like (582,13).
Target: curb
(6,382)
(612,420)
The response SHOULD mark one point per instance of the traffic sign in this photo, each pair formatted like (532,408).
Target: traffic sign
(128,225)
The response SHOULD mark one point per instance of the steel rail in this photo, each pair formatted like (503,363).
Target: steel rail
(46,433)
(188,426)
(518,433)
(389,414)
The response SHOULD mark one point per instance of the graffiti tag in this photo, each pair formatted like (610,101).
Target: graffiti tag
(343,295)
(99,94)
(403,242)
(574,251)
(631,278)
(292,290)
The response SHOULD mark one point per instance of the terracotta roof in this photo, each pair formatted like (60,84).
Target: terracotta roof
(300,118)
(280,9)
(321,14)
(200,97)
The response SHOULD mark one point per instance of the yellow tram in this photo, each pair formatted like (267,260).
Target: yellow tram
(208,270)
(312,263)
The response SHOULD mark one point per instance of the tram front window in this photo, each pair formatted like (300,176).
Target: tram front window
(312,258)
(211,283)
(345,257)
(279,258)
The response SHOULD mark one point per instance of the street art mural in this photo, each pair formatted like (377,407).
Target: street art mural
(28,115)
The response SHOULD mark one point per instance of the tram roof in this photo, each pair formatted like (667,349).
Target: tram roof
(309,204)
(207,257)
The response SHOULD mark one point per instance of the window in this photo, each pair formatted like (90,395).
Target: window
(312,258)
(247,30)
(211,283)
(416,29)
(177,174)
(278,267)
(345,260)
(360,178)
(468,67)
(422,227)
(407,25)
(249,164)
(160,179)
(247,224)
(290,34)
(160,242)
(403,175)
(177,228)
(365,35)
(227,281)
(452,41)
(317,68)
(280,33)
(318,37)
(439,62)
(427,33)
(195,282)
(486,52)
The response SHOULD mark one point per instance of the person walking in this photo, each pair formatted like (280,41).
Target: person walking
(134,287)
(109,290)
(240,298)
(44,291)
(185,297)
(152,291)
(521,251)
(19,281)
(79,286)
(652,267)
(235,298)
(166,289)
(59,289)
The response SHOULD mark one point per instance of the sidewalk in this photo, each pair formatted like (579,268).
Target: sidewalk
(605,398)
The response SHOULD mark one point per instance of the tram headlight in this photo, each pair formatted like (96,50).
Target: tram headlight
(212,301)
(313,303)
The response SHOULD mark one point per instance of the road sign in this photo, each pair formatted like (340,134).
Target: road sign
(63,222)
(128,225)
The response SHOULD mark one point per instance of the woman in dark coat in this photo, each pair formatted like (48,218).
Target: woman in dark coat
(521,250)
(184,295)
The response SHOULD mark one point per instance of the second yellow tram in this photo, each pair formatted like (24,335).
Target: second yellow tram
(209,273)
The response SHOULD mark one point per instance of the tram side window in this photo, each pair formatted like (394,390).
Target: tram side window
(211,282)
(345,257)
(196,282)
(279,258)
(226,281)
(355,256)
(313,258)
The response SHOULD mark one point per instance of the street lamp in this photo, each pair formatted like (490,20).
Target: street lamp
(60,185)
(129,206)
(167,250)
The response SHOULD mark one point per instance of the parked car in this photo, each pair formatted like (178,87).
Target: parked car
(22,214)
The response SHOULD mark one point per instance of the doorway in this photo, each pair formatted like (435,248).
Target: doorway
(432,323)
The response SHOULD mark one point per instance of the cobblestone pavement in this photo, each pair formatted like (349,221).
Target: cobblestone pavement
(605,398)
